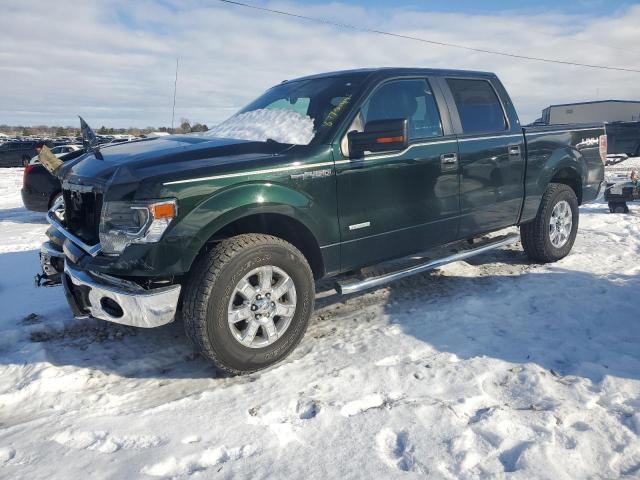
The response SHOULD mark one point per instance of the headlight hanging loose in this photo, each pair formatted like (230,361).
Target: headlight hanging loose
(124,223)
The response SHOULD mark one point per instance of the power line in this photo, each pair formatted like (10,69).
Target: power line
(424,40)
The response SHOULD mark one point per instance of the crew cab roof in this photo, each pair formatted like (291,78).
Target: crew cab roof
(389,72)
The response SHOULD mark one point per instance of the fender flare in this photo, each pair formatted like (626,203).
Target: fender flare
(562,159)
(228,205)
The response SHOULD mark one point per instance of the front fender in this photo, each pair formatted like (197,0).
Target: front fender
(235,202)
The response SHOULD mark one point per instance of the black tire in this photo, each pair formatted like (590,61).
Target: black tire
(211,284)
(618,207)
(535,235)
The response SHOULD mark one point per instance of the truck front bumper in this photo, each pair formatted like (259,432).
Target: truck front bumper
(94,294)
(116,300)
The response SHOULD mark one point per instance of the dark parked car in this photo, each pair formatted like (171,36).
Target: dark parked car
(233,232)
(17,153)
(40,188)
(623,138)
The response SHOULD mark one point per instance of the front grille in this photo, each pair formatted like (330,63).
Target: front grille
(82,212)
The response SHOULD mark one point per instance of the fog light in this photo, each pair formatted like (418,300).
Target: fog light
(111,307)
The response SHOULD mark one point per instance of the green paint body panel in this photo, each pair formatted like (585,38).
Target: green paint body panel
(309,201)
(551,151)
(359,211)
(404,203)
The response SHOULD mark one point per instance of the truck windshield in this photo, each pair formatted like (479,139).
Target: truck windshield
(297,112)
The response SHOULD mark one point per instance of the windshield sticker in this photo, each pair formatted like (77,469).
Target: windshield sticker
(335,111)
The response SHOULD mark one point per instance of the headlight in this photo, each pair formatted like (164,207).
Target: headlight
(124,223)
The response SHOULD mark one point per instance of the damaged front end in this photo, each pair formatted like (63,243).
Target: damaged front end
(51,260)
(94,294)
(83,229)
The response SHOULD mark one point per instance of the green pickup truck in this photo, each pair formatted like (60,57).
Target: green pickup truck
(318,177)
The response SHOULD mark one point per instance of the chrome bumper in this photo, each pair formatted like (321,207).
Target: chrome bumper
(52,263)
(119,301)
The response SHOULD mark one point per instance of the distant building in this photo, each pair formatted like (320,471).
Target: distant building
(591,112)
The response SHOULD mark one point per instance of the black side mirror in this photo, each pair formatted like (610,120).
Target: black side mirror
(379,136)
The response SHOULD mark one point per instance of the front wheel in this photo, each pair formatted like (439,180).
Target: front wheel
(248,302)
(550,236)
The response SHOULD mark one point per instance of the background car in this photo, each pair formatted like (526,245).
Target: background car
(40,189)
(58,151)
(18,153)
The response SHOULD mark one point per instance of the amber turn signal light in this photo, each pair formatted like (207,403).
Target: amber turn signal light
(163,210)
(390,139)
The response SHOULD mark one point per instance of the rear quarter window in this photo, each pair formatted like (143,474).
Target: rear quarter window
(478,106)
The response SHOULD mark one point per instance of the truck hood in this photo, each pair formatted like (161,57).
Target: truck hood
(164,157)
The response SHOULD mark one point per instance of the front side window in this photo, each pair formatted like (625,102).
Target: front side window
(410,99)
(478,106)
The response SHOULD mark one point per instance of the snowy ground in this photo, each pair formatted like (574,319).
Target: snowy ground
(491,368)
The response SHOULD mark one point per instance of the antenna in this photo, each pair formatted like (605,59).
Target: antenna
(175,87)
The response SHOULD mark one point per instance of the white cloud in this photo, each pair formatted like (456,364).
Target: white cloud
(113,62)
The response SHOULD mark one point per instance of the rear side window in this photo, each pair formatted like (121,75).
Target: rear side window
(478,106)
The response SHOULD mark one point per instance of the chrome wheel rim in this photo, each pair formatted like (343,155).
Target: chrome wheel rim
(262,306)
(560,224)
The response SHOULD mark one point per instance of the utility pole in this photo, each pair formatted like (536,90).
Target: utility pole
(175,87)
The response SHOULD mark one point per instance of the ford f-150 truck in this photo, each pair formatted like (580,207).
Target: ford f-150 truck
(319,176)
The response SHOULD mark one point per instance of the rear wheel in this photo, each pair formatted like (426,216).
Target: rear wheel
(248,302)
(550,236)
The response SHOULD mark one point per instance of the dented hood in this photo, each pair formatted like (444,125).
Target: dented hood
(164,158)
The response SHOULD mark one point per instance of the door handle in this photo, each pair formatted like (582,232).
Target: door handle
(449,161)
(514,150)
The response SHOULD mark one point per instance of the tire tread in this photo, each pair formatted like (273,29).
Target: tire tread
(533,234)
(207,268)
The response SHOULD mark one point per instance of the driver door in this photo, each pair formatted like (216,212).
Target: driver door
(395,203)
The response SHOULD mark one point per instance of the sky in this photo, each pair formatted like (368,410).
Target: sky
(113,61)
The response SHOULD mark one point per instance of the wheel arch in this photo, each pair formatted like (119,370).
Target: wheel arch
(266,208)
(279,225)
(566,166)
(569,176)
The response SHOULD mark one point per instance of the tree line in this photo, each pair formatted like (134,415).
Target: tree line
(65,131)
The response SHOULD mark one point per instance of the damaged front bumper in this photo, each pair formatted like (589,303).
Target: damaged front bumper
(117,300)
(93,294)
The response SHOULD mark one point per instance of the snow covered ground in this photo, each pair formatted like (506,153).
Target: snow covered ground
(491,368)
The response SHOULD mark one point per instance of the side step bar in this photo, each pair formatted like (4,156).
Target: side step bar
(351,286)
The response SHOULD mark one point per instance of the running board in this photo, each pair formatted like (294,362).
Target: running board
(355,285)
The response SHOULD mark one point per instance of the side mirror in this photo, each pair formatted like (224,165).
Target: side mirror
(379,136)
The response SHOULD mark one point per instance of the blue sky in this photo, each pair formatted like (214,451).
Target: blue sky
(588,7)
(113,61)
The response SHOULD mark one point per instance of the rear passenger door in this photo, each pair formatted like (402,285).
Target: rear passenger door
(491,155)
